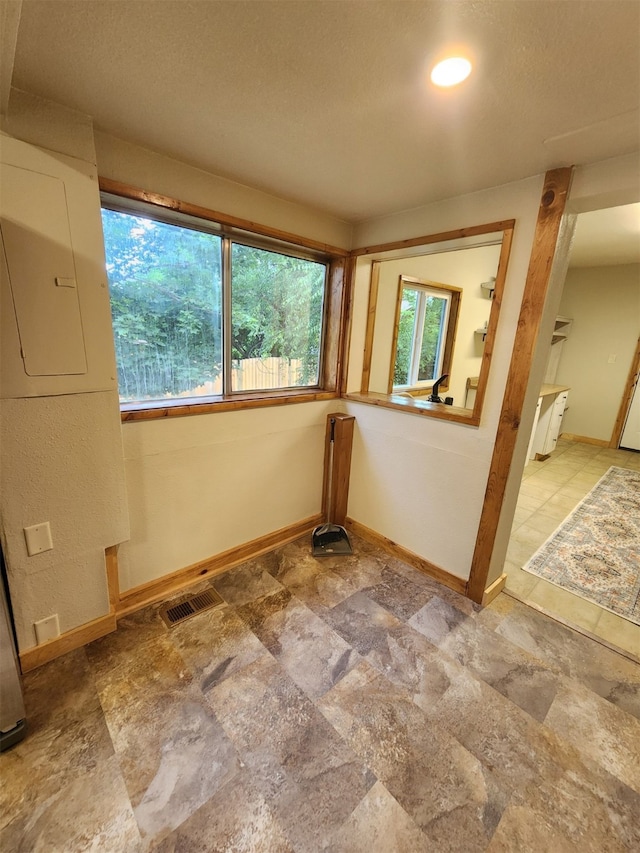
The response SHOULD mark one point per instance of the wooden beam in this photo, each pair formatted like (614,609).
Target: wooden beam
(256,400)
(456,234)
(337,466)
(371,326)
(113,583)
(585,439)
(627,396)
(332,347)
(347,323)
(552,206)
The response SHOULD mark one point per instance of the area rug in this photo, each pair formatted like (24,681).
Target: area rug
(595,553)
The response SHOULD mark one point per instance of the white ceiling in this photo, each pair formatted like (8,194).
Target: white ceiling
(607,237)
(327,102)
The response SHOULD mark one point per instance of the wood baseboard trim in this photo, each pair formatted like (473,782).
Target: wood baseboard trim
(493,590)
(157,590)
(67,642)
(584,439)
(424,566)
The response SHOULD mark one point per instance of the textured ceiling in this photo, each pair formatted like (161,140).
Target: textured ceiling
(607,237)
(327,103)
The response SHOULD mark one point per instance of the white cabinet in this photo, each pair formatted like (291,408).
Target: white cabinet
(551,405)
(536,418)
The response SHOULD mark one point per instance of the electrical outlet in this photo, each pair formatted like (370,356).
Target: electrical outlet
(612,359)
(38,538)
(47,629)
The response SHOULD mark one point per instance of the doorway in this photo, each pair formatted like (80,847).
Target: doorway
(601,295)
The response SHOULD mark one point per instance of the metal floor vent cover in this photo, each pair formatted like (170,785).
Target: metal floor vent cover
(172,614)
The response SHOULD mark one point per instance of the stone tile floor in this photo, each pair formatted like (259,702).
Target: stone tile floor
(550,490)
(346,704)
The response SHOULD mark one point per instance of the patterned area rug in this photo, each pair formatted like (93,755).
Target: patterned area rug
(595,553)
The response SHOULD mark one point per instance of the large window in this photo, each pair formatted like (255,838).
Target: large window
(425,332)
(198,313)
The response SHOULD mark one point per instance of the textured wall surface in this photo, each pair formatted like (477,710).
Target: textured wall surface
(421,481)
(60,464)
(604,303)
(200,485)
(61,440)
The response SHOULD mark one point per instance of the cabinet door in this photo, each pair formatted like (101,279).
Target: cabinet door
(531,452)
(555,422)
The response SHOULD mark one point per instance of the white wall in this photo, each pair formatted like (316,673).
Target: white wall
(595,186)
(61,446)
(420,481)
(195,486)
(61,463)
(202,484)
(604,303)
(140,167)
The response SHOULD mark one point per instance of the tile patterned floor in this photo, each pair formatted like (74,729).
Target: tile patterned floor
(343,705)
(550,491)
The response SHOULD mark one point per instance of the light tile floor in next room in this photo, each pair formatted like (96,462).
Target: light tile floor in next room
(349,705)
(550,491)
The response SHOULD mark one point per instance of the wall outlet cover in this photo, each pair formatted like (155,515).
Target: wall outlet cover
(47,629)
(38,538)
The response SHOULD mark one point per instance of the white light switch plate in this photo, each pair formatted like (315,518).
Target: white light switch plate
(38,538)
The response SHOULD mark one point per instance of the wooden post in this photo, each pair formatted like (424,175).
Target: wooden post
(111,566)
(337,467)
(552,205)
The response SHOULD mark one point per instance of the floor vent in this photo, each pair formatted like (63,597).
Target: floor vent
(174,613)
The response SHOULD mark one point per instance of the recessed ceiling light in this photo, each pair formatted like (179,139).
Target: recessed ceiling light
(451,71)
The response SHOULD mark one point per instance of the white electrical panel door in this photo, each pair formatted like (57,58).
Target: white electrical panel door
(42,275)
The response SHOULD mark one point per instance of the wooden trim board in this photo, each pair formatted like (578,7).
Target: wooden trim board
(113,583)
(67,642)
(625,403)
(337,467)
(419,563)
(494,590)
(552,206)
(371,326)
(156,590)
(442,237)
(137,194)
(156,410)
(584,439)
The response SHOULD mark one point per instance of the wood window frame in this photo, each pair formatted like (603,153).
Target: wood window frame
(418,405)
(455,297)
(331,363)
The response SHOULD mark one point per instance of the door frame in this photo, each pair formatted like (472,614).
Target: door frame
(555,190)
(627,396)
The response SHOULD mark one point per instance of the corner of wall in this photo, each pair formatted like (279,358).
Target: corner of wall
(49,125)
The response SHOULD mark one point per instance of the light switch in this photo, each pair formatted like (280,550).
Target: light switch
(612,359)
(38,538)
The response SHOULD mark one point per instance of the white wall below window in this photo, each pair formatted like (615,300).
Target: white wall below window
(201,485)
